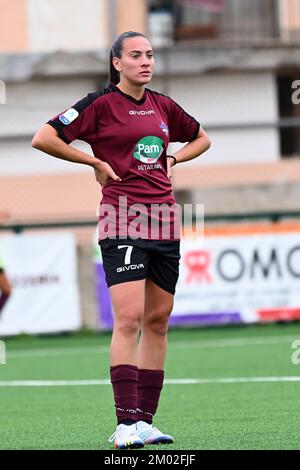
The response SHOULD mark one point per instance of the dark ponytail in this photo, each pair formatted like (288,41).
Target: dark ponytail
(116,51)
(114,76)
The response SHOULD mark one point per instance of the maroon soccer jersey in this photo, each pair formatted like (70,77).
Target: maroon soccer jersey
(132,136)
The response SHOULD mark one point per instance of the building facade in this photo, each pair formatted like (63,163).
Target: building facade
(232,64)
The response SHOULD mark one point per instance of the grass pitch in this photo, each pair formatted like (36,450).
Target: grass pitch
(227,388)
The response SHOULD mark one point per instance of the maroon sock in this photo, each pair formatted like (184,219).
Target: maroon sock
(3,300)
(149,387)
(124,379)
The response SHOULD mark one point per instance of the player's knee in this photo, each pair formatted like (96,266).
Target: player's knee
(128,323)
(157,321)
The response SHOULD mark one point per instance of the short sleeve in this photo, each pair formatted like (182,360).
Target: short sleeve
(182,126)
(78,122)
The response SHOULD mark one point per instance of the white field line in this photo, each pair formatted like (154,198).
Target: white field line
(225,380)
(221,343)
(234,342)
(50,352)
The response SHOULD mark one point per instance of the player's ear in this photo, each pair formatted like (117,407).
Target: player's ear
(116,64)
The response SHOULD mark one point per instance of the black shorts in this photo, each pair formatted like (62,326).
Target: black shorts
(130,260)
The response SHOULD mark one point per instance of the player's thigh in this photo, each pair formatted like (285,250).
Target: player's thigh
(164,265)
(125,265)
(158,302)
(128,300)
(123,261)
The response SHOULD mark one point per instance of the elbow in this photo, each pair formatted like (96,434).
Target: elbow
(36,142)
(44,139)
(207,143)
(205,140)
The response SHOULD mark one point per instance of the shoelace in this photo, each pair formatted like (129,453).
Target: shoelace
(112,437)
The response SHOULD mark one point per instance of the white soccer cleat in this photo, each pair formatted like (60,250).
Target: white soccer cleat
(126,437)
(151,435)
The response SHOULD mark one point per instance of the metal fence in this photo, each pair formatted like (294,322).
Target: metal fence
(237,21)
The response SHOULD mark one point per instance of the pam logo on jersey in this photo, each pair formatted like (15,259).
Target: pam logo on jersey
(148,149)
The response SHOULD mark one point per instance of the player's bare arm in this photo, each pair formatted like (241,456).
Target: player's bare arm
(47,140)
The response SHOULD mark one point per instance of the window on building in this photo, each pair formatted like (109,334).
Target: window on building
(213,19)
(154,5)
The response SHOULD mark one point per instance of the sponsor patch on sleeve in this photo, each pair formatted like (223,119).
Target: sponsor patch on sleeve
(69,116)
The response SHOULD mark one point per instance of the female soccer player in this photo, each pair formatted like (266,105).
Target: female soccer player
(129,128)
(5,289)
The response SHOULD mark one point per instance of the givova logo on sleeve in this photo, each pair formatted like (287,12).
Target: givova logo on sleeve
(148,149)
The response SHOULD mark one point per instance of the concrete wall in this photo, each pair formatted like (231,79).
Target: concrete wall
(29,106)
(86,281)
(131,15)
(232,99)
(43,25)
(223,99)
(289,18)
(19,159)
(66,25)
(13,26)
(48,26)
(250,198)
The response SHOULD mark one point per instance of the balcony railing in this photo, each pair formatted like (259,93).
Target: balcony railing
(235,21)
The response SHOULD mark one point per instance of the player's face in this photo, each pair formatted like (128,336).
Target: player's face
(136,63)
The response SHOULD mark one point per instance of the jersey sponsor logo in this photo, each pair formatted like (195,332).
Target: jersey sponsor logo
(148,149)
(155,166)
(141,113)
(69,116)
(164,128)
